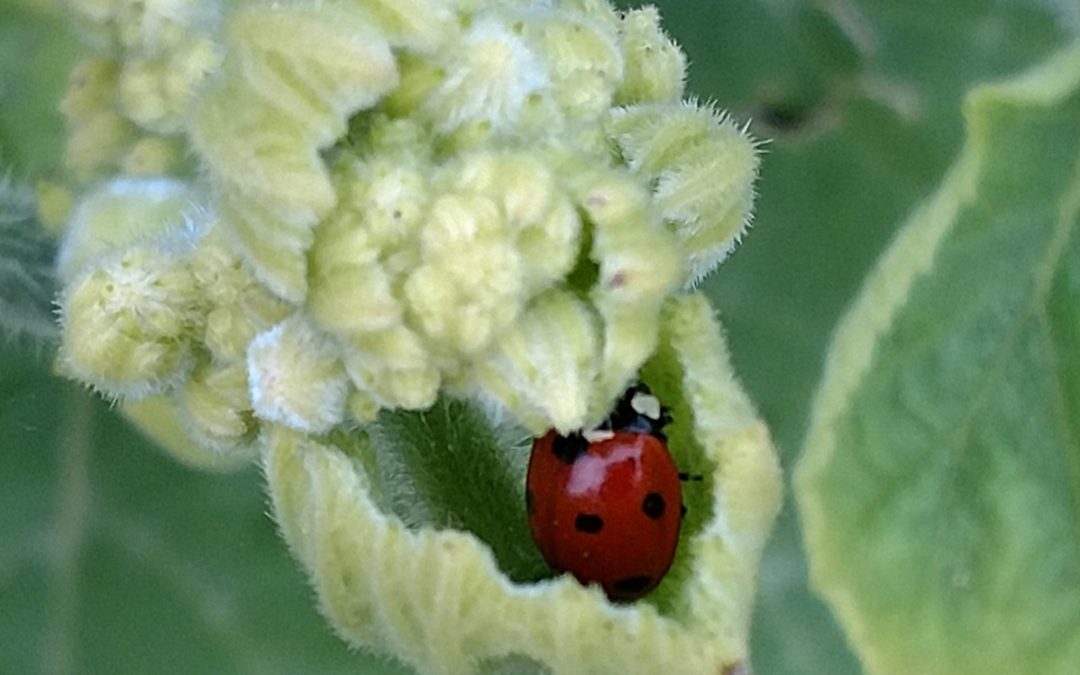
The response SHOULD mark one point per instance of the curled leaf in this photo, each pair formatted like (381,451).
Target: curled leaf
(435,597)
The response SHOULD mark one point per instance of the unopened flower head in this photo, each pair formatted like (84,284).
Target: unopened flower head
(420,184)
(291,218)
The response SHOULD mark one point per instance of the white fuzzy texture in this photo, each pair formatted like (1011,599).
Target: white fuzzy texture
(490,75)
(296,379)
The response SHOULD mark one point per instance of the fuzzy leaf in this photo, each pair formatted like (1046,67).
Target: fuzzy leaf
(398,574)
(941,475)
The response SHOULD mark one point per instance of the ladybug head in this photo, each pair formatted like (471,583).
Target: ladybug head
(638,411)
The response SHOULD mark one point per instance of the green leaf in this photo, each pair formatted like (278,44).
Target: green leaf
(115,559)
(940,485)
(861,103)
(449,467)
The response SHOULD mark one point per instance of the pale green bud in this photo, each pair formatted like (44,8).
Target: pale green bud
(639,265)
(127,322)
(118,214)
(293,76)
(362,407)
(96,144)
(583,60)
(468,285)
(151,156)
(156,91)
(296,377)
(540,217)
(237,306)
(549,247)
(394,368)
(91,87)
(542,369)
(97,135)
(638,258)
(704,167)
(655,65)
(419,76)
(350,293)
(158,416)
(490,74)
(407,388)
(363,251)
(216,408)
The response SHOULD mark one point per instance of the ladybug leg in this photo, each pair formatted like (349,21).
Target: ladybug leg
(691,477)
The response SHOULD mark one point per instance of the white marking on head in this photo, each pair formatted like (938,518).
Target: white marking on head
(597,435)
(646,404)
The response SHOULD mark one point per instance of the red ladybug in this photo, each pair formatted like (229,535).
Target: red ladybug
(606,505)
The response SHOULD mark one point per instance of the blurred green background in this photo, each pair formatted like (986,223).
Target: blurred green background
(114,558)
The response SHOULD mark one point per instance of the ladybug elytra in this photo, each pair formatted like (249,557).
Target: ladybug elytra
(606,505)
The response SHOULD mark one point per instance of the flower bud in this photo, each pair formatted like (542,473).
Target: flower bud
(295,75)
(468,284)
(97,135)
(127,322)
(583,59)
(542,369)
(655,66)
(296,377)
(704,167)
(155,91)
(237,306)
(490,73)
(393,367)
(214,403)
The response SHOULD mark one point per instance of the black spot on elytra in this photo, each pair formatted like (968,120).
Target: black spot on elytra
(653,505)
(530,507)
(569,448)
(589,523)
(632,585)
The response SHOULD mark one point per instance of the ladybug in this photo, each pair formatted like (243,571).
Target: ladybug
(606,505)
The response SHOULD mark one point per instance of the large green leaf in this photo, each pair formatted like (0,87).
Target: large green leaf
(940,487)
(861,101)
(115,559)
